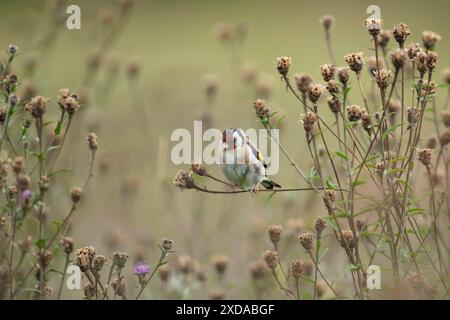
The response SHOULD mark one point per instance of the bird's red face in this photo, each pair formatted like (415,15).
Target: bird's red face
(228,139)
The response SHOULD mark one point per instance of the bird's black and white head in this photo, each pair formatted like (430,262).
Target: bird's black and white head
(232,138)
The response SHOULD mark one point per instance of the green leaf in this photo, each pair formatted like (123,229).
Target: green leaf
(414,211)
(343,214)
(368,234)
(341,154)
(330,221)
(52,148)
(390,130)
(331,185)
(358,183)
(41,243)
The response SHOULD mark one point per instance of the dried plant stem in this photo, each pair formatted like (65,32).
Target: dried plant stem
(63,277)
(366,105)
(329,46)
(287,291)
(69,122)
(321,274)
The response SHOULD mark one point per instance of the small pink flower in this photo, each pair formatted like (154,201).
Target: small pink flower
(141,268)
(27,194)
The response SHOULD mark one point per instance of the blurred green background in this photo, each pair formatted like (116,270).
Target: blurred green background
(132,203)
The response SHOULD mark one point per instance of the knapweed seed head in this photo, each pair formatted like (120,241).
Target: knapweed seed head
(258,269)
(37,106)
(68,101)
(44,184)
(445,137)
(13,49)
(167,244)
(446,118)
(374,26)
(14,99)
(67,244)
(432,58)
(76,194)
(354,61)
(354,113)
(383,38)
(164,273)
(120,259)
(141,268)
(412,50)
(384,78)
(309,121)
(306,240)
(331,195)
(321,288)
(424,156)
(221,264)
(199,169)
(421,60)
(343,75)
(400,32)
(327,71)
(98,263)
(18,164)
(283,65)
(327,22)
(23,182)
(428,88)
(92,141)
(183,180)
(303,82)
(297,268)
(366,121)
(185,264)
(347,239)
(319,225)
(398,57)
(89,291)
(412,114)
(334,104)
(261,109)
(84,258)
(332,87)
(271,258)
(430,39)
(431,143)
(372,65)
(275,234)
(314,92)
(119,287)
(25,245)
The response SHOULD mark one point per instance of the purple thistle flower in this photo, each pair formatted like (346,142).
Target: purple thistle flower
(141,268)
(26,195)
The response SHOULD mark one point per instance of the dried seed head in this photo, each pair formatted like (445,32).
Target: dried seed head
(164,273)
(224,32)
(412,50)
(89,291)
(217,294)
(446,76)
(446,118)
(366,121)
(199,169)
(211,85)
(23,182)
(257,269)
(249,73)
(68,101)
(432,143)
(343,75)
(334,104)
(44,184)
(398,57)
(384,78)
(76,194)
(346,238)
(327,22)
(25,245)
(332,87)
(183,180)
(303,82)
(429,39)
(354,61)
(306,240)
(271,258)
(221,264)
(327,71)
(98,263)
(319,226)
(120,259)
(185,264)
(92,141)
(119,287)
(445,137)
(67,244)
(14,99)
(400,32)
(412,115)
(421,60)
(295,225)
(372,66)
(354,113)
(3,111)
(37,106)
(424,156)
(321,288)
(297,268)
(428,88)
(394,105)
(374,26)
(383,38)
(13,49)
(18,164)
(167,244)
(309,121)
(261,109)
(84,258)
(314,92)
(275,234)
(12,191)
(331,195)
(283,65)
(432,60)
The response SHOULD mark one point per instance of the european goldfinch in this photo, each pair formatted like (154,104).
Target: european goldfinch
(241,163)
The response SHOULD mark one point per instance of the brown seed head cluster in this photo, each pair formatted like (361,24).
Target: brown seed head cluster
(119,287)
(421,60)
(383,38)
(374,26)
(92,141)
(398,57)
(424,156)
(283,65)
(309,121)
(354,113)
(271,258)
(334,104)
(275,234)
(167,244)
(412,50)
(366,121)
(412,114)
(400,32)
(445,137)
(221,264)
(69,102)
(343,75)
(76,194)
(332,87)
(303,82)
(84,258)
(331,195)
(18,164)
(429,39)
(432,58)
(183,180)
(297,268)
(37,106)
(314,92)
(384,78)
(199,169)
(347,239)
(306,240)
(67,244)
(319,226)
(327,21)
(354,61)
(327,71)
(446,118)
(261,109)
(98,263)
(258,269)
(446,76)
(120,259)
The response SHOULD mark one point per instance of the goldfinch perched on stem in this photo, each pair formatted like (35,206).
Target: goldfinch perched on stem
(241,163)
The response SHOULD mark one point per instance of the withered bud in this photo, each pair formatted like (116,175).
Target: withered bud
(400,32)
(309,121)
(319,226)
(384,78)
(343,75)
(92,141)
(332,87)
(412,114)
(221,264)
(261,109)
(199,169)
(354,113)
(271,258)
(334,104)
(398,57)
(424,156)
(18,164)
(303,82)
(119,287)
(354,61)
(76,194)
(67,244)
(347,239)
(275,234)
(331,195)
(167,244)
(327,22)
(429,39)
(84,258)
(446,118)
(327,71)
(297,268)
(283,65)
(37,106)
(383,38)
(432,60)
(120,259)
(374,26)
(314,92)
(306,240)
(445,137)
(183,180)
